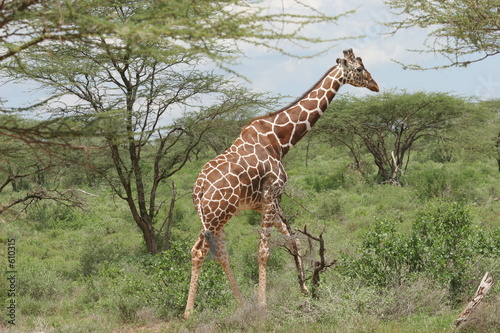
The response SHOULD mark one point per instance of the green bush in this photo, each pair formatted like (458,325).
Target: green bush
(442,244)
(382,256)
(445,182)
(330,180)
(96,255)
(252,217)
(54,216)
(38,280)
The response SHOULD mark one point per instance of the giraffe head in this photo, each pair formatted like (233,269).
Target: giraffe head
(355,72)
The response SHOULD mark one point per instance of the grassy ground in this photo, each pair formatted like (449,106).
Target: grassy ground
(88,271)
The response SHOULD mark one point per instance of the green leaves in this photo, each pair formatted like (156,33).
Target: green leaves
(462,31)
(442,244)
(388,126)
(211,29)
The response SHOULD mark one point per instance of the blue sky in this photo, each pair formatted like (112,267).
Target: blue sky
(271,72)
(287,76)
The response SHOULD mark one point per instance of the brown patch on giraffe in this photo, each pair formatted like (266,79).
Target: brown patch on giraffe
(284,133)
(300,131)
(313,94)
(262,126)
(274,148)
(223,205)
(261,156)
(216,195)
(330,95)
(251,160)
(303,116)
(248,134)
(282,118)
(309,104)
(247,148)
(323,103)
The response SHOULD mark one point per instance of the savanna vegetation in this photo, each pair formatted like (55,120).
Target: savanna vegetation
(96,217)
(408,256)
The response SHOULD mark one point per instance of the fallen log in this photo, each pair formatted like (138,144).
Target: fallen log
(482,290)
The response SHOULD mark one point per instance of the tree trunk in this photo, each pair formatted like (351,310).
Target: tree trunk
(148,232)
(170,218)
(150,238)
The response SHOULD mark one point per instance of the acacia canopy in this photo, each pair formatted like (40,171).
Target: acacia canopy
(462,31)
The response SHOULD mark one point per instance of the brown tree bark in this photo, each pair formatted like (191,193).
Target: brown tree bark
(473,306)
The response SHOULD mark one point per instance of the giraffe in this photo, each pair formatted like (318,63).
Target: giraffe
(250,174)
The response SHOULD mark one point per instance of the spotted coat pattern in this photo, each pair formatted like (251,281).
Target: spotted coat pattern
(250,173)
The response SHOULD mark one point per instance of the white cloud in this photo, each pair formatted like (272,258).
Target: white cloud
(270,71)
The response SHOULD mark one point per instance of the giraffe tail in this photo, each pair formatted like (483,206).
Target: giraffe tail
(210,237)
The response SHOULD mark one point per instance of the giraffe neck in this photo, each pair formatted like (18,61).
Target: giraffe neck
(293,122)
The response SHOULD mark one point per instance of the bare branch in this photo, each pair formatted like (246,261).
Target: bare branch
(319,266)
(67,198)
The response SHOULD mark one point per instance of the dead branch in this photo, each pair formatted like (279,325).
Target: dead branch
(87,193)
(485,285)
(318,266)
(67,198)
(294,251)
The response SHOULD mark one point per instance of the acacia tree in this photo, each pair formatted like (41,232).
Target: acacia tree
(139,64)
(388,125)
(463,31)
(130,93)
(216,30)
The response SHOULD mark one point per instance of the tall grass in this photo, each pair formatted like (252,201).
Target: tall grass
(89,271)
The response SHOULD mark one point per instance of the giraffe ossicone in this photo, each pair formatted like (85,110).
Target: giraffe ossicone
(250,174)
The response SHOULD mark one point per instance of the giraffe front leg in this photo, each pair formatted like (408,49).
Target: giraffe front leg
(263,256)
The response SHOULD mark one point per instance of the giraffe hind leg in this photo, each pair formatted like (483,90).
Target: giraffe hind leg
(198,255)
(218,248)
(217,245)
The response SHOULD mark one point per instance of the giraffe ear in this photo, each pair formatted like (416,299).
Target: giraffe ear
(360,62)
(342,61)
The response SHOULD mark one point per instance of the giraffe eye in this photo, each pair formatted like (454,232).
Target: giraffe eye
(359,69)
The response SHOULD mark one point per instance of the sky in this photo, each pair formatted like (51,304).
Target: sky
(280,74)
(269,71)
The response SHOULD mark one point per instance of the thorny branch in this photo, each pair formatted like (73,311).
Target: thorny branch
(68,198)
(318,266)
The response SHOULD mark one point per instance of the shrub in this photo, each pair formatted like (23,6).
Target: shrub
(444,182)
(252,217)
(382,256)
(97,255)
(330,207)
(49,215)
(443,244)
(443,241)
(330,181)
(38,280)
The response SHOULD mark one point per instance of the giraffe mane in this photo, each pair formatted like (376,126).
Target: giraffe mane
(274,113)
